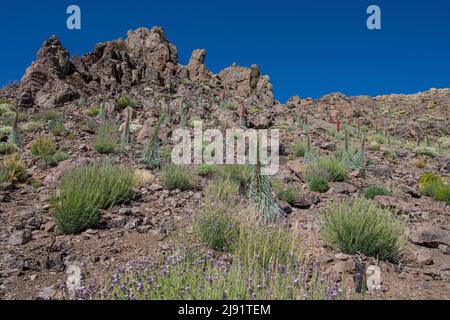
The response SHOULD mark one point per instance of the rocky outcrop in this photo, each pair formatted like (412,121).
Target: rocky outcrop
(51,67)
(247,82)
(115,67)
(197,70)
(155,57)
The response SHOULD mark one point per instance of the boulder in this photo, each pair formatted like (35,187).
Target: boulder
(19,238)
(306,200)
(53,178)
(431,237)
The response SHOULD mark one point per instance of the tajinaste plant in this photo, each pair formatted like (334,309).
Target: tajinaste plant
(184,115)
(103,114)
(309,155)
(126,136)
(260,193)
(14,135)
(151,156)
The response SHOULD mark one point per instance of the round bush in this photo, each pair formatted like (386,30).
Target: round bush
(86,189)
(318,183)
(373,191)
(360,226)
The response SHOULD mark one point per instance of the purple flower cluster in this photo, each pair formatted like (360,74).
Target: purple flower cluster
(188,276)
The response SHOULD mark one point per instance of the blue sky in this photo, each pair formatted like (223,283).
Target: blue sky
(308,48)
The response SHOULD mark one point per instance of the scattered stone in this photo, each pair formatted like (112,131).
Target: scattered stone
(19,238)
(133,223)
(125,211)
(341,256)
(424,257)
(286,208)
(117,222)
(34,223)
(430,237)
(12,263)
(155,187)
(49,226)
(144,229)
(344,188)
(166,227)
(53,178)
(411,191)
(306,200)
(46,293)
(381,171)
(394,203)
(6,186)
(445,249)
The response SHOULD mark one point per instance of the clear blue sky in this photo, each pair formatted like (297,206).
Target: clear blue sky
(309,48)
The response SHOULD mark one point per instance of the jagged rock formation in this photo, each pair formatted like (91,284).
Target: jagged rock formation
(43,81)
(145,57)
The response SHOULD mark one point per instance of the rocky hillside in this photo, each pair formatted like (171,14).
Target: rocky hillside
(123,101)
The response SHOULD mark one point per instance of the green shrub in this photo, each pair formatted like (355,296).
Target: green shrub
(225,190)
(380,139)
(207,170)
(373,191)
(10,116)
(33,126)
(299,149)
(286,193)
(425,151)
(434,186)
(86,189)
(264,244)
(93,112)
(105,140)
(124,102)
(56,126)
(318,183)
(438,190)
(229,104)
(360,226)
(12,169)
(390,154)
(427,179)
(217,229)
(43,147)
(236,172)
(4,108)
(246,236)
(177,177)
(374,146)
(7,148)
(60,156)
(335,169)
(48,115)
